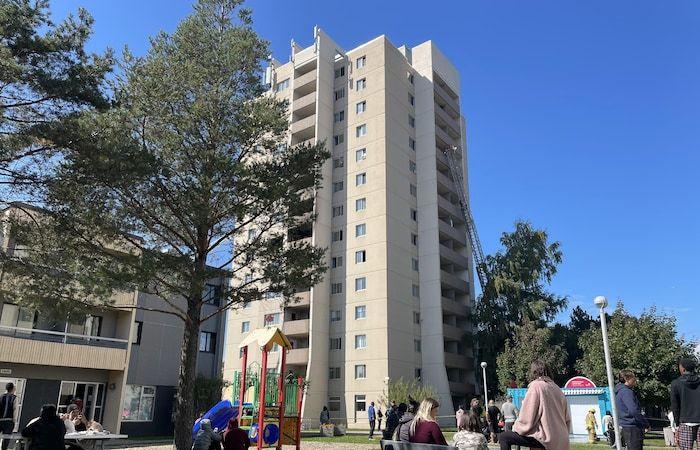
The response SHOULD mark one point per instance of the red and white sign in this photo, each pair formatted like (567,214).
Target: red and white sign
(579,383)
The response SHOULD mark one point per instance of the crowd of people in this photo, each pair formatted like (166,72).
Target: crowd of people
(544,420)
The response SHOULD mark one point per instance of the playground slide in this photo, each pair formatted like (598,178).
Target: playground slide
(219,415)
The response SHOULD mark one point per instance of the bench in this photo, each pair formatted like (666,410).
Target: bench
(401,445)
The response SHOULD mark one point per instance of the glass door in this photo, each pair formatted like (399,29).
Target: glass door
(92,395)
(19,392)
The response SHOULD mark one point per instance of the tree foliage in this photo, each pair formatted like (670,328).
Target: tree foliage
(207,392)
(152,193)
(567,336)
(648,345)
(46,77)
(516,290)
(529,343)
(402,390)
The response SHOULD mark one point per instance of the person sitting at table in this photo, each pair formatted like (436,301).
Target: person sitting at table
(234,437)
(46,433)
(96,426)
(69,417)
(206,439)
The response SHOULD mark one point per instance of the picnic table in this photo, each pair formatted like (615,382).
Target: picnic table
(82,436)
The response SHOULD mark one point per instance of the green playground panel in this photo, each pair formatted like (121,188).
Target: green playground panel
(271,379)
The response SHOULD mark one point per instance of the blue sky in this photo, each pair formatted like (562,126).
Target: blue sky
(583,117)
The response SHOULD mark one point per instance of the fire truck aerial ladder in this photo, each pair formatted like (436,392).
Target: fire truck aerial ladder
(477,252)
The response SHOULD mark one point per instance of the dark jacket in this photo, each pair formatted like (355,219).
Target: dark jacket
(392,421)
(45,433)
(403,427)
(234,437)
(685,399)
(628,410)
(205,437)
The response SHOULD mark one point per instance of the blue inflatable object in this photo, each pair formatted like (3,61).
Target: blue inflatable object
(219,415)
(271,433)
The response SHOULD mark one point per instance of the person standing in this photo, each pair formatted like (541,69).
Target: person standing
(234,438)
(685,404)
(544,420)
(609,427)
(325,416)
(591,425)
(372,416)
(458,415)
(380,415)
(510,413)
(493,414)
(8,409)
(393,414)
(632,422)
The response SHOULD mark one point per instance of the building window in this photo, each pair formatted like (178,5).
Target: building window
(413,189)
(360,372)
(360,341)
(417,345)
(272,319)
(411,78)
(360,284)
(336,288)
(360,179)
(414,215)
(360,155)
(245,327)
(338,162)
(337,235)
(336,343)
(412,166)
(360,402)
(334,404)
(414,239)
(334,373)
(338,210)
(138,403)
(135,332)
(415,290)
(340,93)
(338,139)
(339,116)
(361,84)
(417,373)
(411,100)
(207,342)
(360,229)
(360,256)
(416,317)
(340,72)
(212,292)
(414,264)
(338,186)
(336,315)
(282,85)
(361,204)
(361,107)
(412,144)
(360,312)
(411,121)
(336,261)
(360,62)
(361,130)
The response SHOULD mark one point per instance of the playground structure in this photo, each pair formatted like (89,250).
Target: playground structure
(269,403)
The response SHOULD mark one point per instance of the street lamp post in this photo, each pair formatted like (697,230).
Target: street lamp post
(486,392)
(601,302)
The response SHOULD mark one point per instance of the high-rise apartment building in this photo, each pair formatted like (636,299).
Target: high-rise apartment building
(395,300)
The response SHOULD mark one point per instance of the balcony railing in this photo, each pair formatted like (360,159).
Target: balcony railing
(62,337)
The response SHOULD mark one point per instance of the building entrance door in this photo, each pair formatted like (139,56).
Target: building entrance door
(92,395)
(19,392)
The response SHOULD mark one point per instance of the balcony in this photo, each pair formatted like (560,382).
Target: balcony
(451,232)
(453,257)
(305,84)
(53,348)
(123,299)
(450,208)
(453,332)
(455,360)
(454,307)
(304,124)
(298,356)
(454,281)
(445,139)
(296,327)
(302,299)
(304,106)
(452,123)
(445,97)
(461,388)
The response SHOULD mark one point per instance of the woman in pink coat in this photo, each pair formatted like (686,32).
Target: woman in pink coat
(544,420)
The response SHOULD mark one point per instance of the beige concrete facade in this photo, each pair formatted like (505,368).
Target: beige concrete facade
(395,300)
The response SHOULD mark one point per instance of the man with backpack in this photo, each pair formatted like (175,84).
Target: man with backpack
(8,413)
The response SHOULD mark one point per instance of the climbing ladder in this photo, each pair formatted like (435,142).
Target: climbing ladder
(477,252)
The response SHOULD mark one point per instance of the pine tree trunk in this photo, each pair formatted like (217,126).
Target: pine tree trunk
(185,417)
